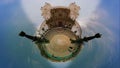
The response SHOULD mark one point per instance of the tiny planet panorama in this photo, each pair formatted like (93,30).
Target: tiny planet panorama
(59,36)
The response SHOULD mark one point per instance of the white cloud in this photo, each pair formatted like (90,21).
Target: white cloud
(60,64)
(99,14)
(93,19)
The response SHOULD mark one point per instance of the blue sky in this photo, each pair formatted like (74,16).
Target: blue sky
(16,52)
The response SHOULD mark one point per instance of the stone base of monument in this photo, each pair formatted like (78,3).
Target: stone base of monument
(59,47)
